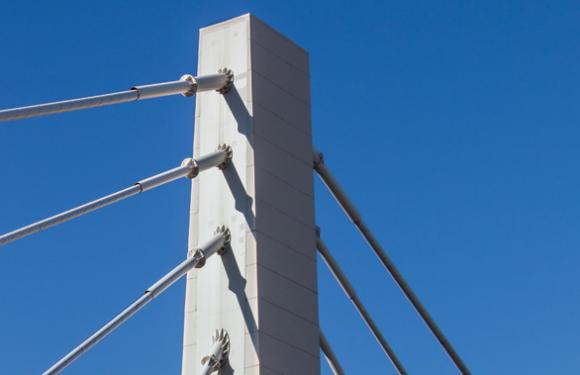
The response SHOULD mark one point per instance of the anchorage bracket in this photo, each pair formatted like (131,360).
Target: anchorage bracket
(222,229)
(318,159)
(228,238)
(220,350)
(230,80)
(229,155)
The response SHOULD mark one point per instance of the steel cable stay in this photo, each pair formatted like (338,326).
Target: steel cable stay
(353,214)
(197,259)
(353,297)
(187,85)
(331,358)
(189,168)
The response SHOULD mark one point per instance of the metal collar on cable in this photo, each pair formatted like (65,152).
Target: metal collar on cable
(218,244)
(189,168)
(187,85)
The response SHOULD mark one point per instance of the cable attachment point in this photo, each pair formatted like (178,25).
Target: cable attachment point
(224,242)
(199,254)
(192,164)
(227,238)
(229,155)
(191,79)
(220,351)
(230,80)
(318,159)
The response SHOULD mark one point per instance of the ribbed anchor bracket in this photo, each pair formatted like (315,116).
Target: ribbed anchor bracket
(218,356)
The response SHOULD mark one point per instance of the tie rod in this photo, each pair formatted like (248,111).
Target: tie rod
(187,85)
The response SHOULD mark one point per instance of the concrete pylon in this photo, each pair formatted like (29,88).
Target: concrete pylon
(263,291)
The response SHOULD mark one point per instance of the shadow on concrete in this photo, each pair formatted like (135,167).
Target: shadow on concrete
(237,284)
(243,200)
(240,112)
(244,204)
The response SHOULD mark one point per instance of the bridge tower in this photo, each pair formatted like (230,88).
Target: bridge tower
(263,291)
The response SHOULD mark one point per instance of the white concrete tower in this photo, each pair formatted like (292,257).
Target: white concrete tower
(263,291)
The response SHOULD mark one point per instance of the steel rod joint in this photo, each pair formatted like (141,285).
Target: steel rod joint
(188,168)
(219,240)
(187,86)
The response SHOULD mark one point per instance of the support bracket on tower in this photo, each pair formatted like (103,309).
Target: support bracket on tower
(219,352)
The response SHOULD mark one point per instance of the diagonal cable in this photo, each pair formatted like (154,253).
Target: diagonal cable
(187,85)
(198,257)
(351,294)
(189,168)
(330,356)
(350,210)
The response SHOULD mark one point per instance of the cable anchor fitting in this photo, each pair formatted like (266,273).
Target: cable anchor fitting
(220,351)
(318,159)
(199,253)
(222,229)
(229,154)
(229,82)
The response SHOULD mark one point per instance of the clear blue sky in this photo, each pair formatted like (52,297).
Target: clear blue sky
(453,125)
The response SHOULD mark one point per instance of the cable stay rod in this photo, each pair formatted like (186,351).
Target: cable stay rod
(187,85)
(189,168)
(353,214)
(197,260)
(330,356)
(353,297)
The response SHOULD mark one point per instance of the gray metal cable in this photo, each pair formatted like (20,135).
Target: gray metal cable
(351,294)
(197,260)
(356,218)
(330,356)
(188,85)
(189,167)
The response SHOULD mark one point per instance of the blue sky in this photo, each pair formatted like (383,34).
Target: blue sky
(453,126)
